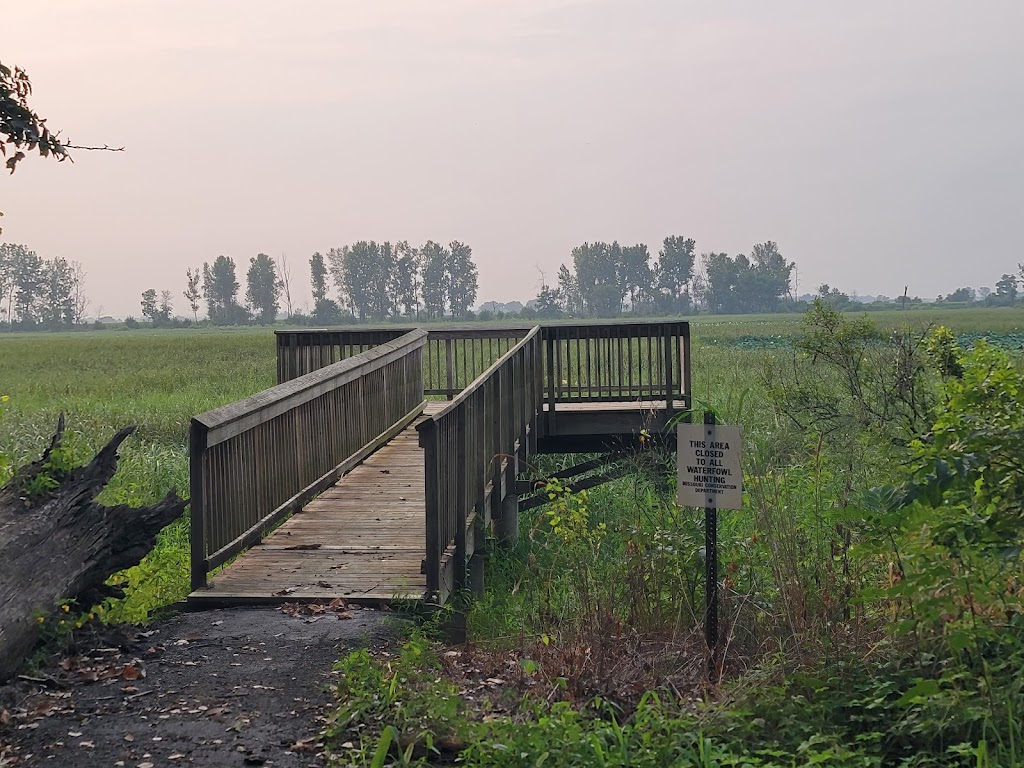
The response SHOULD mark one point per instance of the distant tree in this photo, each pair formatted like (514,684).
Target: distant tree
(285,271)
(833,297)
(674,271)
(772,273)
(569,291)
(318,277)
(220,289)
(192,293)
(166,307)
(366,271)
(436,286)
(57,306)
(263,290)
(462,278)
(718,282)
(149,309)
(960,295)
(407,278)
(29,286)
(598,278)
(549,302)
(336,266)
(327,312)
(6,279)
(636,277)
(79,301)
(1006,290)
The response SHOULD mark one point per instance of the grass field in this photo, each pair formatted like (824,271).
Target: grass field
(104,380)
(600,603)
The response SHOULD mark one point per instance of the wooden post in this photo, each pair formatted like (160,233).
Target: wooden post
(506,527)
(197,521)
(476,574)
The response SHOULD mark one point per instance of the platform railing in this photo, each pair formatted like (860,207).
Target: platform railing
(617,362)
(464,448)
(255,461)
(453,356)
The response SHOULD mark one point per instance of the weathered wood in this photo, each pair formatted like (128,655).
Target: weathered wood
(362,539)
(64,545)
(258,460)
(462,443)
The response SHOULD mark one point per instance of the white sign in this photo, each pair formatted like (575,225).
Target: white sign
(710,466)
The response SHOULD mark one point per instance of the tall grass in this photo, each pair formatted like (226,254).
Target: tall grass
(103,381)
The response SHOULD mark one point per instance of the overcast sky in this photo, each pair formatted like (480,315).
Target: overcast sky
(879,143)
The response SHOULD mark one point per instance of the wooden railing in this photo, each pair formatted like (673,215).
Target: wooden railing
(467,447)
(612,362)
(255,461)
(453,357)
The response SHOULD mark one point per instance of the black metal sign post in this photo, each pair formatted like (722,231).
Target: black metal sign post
(709,467)
(711,569)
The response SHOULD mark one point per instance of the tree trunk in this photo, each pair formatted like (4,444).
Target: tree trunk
(60,544)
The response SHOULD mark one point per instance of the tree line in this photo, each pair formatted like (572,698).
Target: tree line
(607,279)
(372,281)
(363,281)
(40,293)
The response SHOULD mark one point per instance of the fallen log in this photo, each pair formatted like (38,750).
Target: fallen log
(57,543)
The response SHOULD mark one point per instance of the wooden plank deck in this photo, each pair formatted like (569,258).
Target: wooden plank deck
(363,539)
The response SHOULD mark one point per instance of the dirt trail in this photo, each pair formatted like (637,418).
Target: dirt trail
(241,687)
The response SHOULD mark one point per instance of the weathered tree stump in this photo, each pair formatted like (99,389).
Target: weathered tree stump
(60,544)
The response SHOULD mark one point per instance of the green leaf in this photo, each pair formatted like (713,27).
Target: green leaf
(920,691)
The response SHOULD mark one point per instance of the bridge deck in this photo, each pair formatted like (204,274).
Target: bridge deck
(364,538)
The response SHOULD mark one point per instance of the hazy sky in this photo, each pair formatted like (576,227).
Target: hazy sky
(879,143)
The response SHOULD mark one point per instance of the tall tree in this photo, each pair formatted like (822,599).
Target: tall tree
(462,278)
(366,270)
(569,290)
(407,278)
(264,288)
(675,271)
(773,275)
(149,308)
(285,272)
(598,278)
(79,301)
(635,275)
(29,285)
(57,307)
(7,279)
(166,307)
(436,278)
(318,277)
(1006,289)
(220,289)
(718,284)
(336,264)
(192,293)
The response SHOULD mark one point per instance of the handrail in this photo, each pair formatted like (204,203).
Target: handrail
(257,460)
(465,446)
(618,362)
(453,358)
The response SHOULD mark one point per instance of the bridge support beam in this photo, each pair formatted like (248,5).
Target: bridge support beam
(476,574)
(506,523)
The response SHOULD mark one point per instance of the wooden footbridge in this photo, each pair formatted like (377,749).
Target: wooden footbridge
(377,467)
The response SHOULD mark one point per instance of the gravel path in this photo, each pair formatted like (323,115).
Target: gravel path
(240,687)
